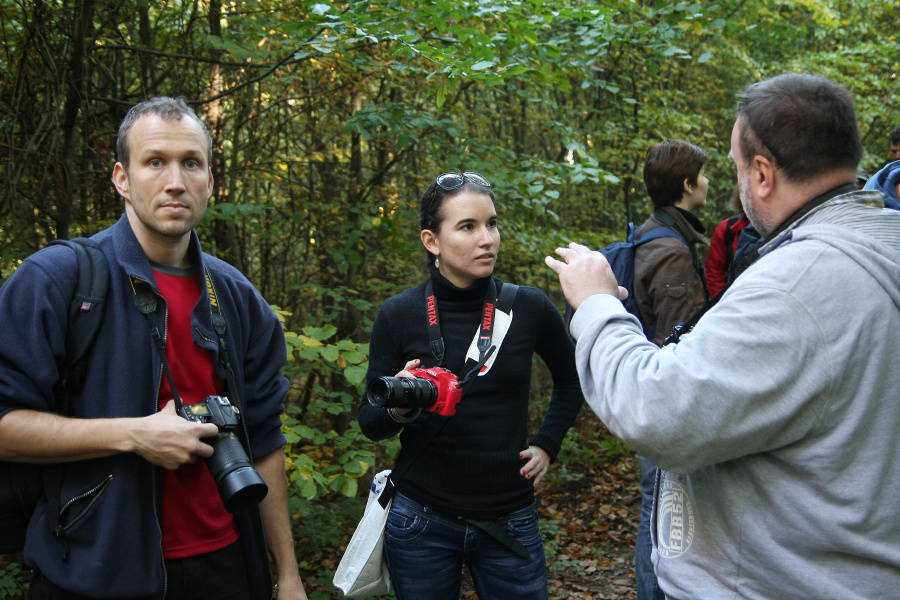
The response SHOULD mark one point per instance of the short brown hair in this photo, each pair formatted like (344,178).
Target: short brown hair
(164,107)
(668,165)
(895,135)
(805,123)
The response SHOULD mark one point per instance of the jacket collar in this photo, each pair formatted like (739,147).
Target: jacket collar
(131,257)
(692,227)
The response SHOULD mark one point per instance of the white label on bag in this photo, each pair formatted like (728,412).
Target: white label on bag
(502,321)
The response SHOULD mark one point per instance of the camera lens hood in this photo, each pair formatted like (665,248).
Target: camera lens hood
(242,489)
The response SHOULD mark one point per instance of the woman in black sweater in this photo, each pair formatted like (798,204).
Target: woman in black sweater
(468,495)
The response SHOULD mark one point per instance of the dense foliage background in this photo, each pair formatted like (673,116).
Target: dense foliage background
(331,118)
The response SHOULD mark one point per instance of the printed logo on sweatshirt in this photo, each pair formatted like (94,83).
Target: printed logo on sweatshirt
(674,519)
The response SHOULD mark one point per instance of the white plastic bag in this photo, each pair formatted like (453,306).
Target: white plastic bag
(363,570)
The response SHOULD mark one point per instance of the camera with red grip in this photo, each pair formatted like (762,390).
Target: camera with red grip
(435,389)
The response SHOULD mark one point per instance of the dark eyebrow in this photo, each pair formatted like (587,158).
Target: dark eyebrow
(471,220)
(153,152)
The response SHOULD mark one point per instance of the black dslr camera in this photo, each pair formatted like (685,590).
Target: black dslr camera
(240,486)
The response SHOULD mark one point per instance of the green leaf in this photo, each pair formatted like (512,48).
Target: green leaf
(485,64)
(308,489)
(350,487)
(355,375)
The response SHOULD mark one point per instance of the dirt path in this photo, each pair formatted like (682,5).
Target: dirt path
(595,514)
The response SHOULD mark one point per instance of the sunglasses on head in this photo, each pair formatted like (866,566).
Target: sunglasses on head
(451,181)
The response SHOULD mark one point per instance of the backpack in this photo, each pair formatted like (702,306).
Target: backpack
(21,484)
(729,243)
(620,256)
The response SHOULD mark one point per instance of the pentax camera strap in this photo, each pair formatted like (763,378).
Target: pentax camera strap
(492,301)
(434,326)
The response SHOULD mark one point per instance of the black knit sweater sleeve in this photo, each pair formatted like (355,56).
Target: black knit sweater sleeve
(557,350)
(389,350)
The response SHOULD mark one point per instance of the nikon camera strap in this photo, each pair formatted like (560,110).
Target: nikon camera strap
(146,302)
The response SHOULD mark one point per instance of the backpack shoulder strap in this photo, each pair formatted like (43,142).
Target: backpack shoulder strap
(729,241)
(85,311)
(670,221)
(670,224)
(660,232)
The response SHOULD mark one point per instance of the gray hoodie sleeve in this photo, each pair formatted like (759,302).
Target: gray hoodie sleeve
(739,384)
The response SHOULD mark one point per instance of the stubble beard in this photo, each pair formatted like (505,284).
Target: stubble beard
(172,229)
(746,194)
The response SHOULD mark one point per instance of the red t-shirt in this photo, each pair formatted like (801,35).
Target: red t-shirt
(194,520)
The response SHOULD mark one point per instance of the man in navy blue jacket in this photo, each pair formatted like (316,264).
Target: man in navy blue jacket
(139,514)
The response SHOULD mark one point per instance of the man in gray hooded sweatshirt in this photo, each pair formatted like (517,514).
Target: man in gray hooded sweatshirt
(781,453)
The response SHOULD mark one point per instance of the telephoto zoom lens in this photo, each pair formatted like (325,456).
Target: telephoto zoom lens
(240,486)
(402,392)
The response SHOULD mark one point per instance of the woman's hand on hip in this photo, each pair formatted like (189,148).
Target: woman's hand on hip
(538,464)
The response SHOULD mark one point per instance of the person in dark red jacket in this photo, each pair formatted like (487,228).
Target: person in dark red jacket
(720,258)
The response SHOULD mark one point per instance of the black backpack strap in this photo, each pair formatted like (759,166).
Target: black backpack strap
(86,312)
(85,315)
(729,242)
(669,221)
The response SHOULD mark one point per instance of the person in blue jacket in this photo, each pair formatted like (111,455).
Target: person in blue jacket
(140,516)
(887,181)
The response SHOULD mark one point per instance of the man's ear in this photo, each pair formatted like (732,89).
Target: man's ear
(430,241)
(120,179)
(764,177)
(687,188)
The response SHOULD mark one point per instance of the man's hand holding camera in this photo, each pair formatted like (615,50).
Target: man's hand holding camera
(168,440)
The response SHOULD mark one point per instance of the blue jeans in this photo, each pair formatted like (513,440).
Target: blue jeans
(426,550)
(647,585)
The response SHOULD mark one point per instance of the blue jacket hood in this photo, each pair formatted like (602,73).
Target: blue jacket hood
(886,181)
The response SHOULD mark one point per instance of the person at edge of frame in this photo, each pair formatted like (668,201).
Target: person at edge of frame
(141,516)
